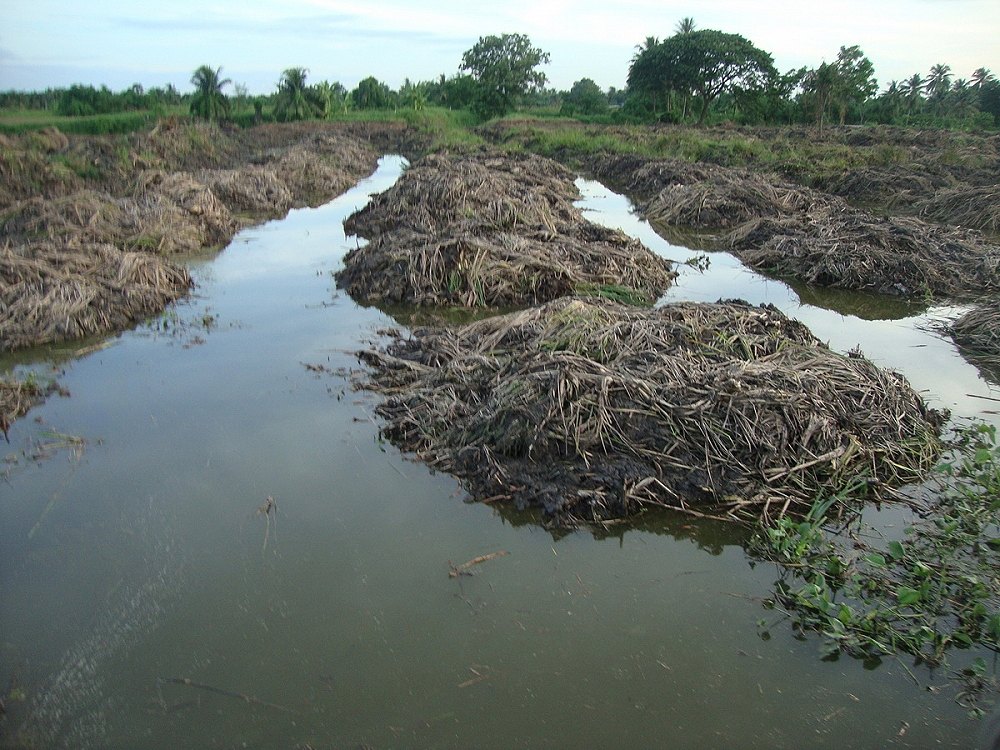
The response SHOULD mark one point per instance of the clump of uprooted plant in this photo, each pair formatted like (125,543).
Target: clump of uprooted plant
(490,229)
(978,335)
(930,591)
(594,410)
(793,231)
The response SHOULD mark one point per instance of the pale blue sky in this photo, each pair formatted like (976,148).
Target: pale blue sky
(55,43)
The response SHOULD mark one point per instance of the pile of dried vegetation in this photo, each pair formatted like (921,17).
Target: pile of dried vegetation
(53,292)
(844,247)
(798,232)
(978,334)
(16,397)
(491,230)
(975,208)
(886,187)
(83,218)
(593,410)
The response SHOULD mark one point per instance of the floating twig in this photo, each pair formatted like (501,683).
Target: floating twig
(187,682)
(463,569)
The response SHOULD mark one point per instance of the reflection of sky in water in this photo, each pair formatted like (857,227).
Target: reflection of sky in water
(930,362)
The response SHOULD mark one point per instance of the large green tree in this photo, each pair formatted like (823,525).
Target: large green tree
(703,64)
(855,81)
(208,100)
(585,98)
(371,93)
(504,68)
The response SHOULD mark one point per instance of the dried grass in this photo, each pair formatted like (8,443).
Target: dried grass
(818,238)
(978,334)
(594,411)
(500,191)
(974,208)
(848,248)
(490,229)
(150,222)
(253,190)
(727,200)
(51,292)
(643,177)
(889,187)
(16,398)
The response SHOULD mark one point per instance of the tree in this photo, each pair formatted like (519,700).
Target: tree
(981,77)
(938,81)
(819,86)
(585,98)
(705,64)
(684,26)
(328,98)
(855,80)
(505,68)
(208,101)
(293,102)
(372,94)
(913,88)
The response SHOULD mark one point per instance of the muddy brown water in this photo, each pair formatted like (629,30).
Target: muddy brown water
(141,558)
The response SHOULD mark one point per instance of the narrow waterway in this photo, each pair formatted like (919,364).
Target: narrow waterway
(151,596)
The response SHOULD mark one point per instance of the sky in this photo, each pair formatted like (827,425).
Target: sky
(50,43)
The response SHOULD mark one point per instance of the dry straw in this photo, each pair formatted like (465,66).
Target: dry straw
(801,233)
(978,334)
(491,229)
(51,292)
(594,410)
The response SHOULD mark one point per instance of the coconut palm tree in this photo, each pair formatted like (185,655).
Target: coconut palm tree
(292,101)
(913,87)
(939,80)
(208,100)
(649,44)
(684,26)
(981,77)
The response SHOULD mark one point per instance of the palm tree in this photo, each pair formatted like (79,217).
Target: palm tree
(208,100)
(893,96)
(292,102)
(981,77)
(684,26)
(913,88)
(939,80)
(649,44)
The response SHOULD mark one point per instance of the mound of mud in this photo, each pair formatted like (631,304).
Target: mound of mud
(490,229)
(592,410)
(51,292)
(978,334)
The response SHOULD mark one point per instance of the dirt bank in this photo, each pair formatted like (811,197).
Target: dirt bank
(593,410)
(489,229)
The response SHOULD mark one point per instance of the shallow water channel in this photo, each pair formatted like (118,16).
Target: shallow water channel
(145,556)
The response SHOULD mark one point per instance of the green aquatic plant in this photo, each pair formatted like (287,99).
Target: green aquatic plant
(932,591)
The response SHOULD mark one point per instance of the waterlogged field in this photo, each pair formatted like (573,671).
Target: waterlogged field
(208,545)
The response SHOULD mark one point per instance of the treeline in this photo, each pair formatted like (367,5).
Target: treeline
(693,76)
(697,75)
